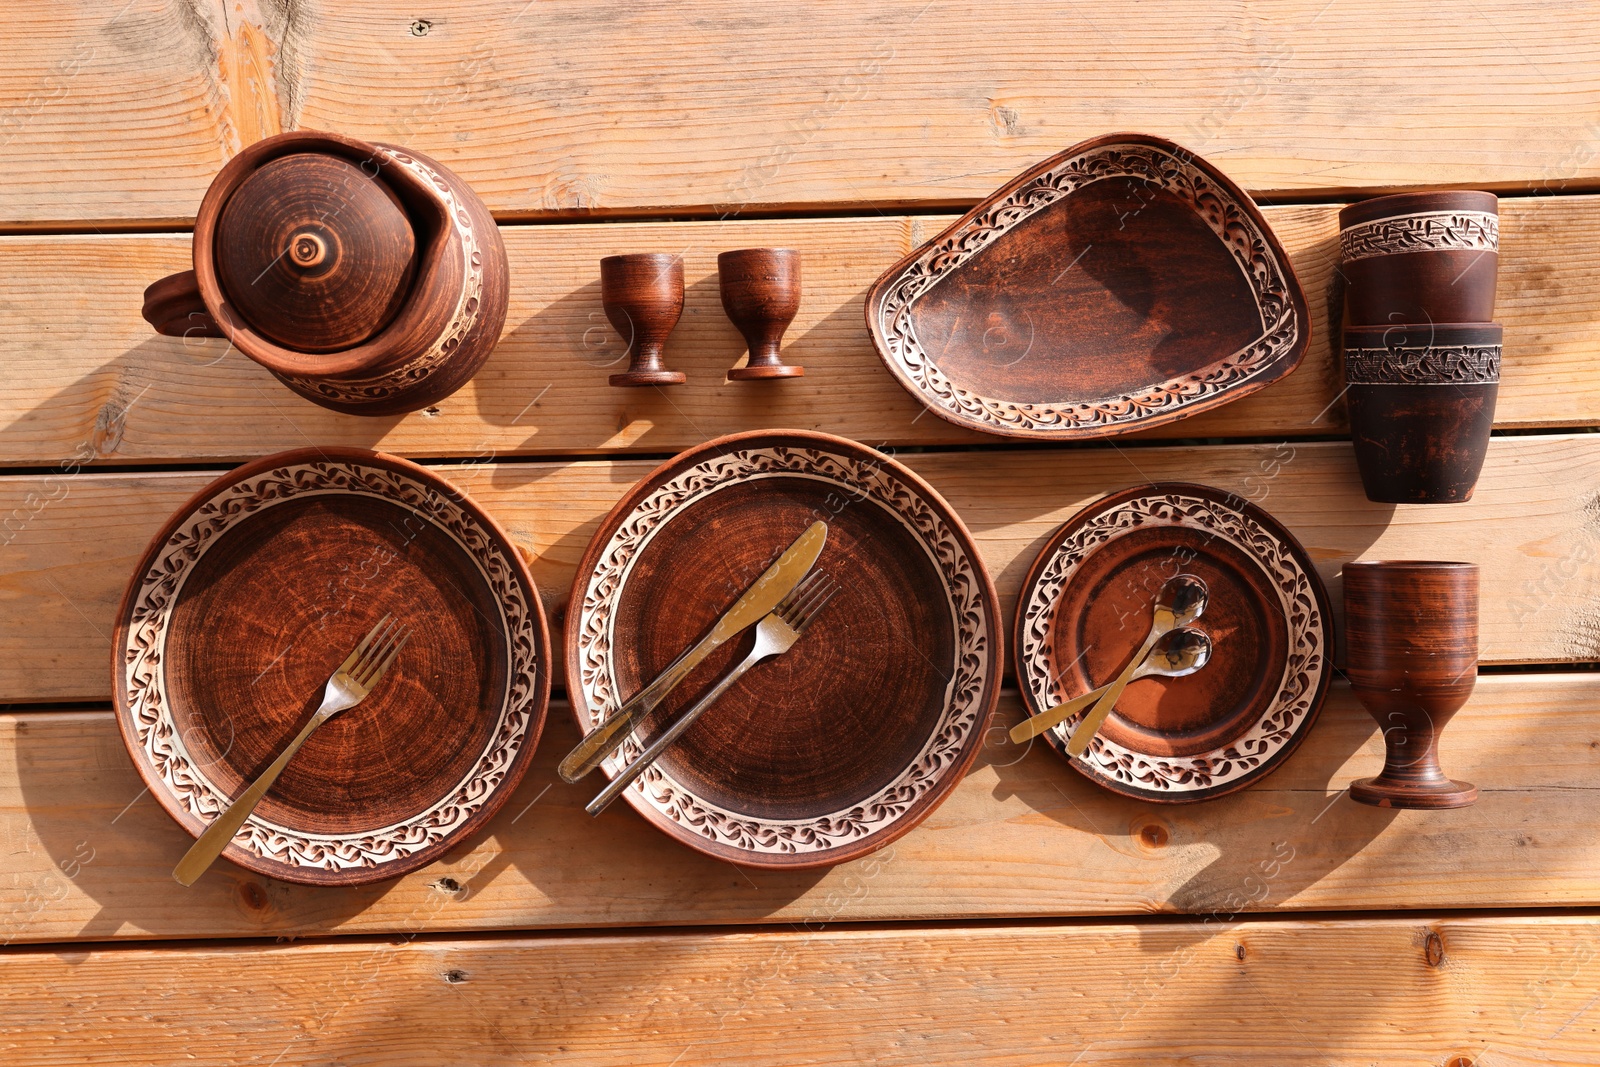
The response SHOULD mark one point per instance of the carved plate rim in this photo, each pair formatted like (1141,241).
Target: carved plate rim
(830,839)
(522,716)
(1117,769)
(1207,388)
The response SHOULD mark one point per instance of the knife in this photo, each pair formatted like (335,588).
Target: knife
(757,602)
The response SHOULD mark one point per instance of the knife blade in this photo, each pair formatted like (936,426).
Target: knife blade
(773,585)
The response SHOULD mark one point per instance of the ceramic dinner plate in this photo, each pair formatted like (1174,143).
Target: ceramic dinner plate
(851,738)
(1122,284)
(1085,608)
(250,597)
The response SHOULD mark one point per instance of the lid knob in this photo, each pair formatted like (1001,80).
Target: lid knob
(314,253)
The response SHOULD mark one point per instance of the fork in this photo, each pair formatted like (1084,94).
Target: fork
(348,687)
(775,635)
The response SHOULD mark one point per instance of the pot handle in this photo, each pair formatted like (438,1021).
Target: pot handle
(174,307)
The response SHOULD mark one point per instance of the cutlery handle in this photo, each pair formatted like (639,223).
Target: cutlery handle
(671,734)
(600,742)
(1035,725)
(204,852)
(1078,743)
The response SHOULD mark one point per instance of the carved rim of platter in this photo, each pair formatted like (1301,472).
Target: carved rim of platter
(1302,601)
(463,318)
(1225,210)
(1425,231)
(871,479)
(1423,365)
(144,703)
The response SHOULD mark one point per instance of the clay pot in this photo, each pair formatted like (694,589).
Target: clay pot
(1420,257)
(1421,401)
(369,278)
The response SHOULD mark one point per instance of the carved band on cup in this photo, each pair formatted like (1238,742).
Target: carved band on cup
(1423,365)
(1427,231)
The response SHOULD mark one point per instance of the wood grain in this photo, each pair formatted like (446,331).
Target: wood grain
(88,375)
(68,542)
(1431,990)
(120,116)
(87,855)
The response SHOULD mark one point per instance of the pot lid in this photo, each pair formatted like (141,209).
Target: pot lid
(314,254)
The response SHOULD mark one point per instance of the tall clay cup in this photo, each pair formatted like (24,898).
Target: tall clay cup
(1421,401)
(1420,257)
(1411,629)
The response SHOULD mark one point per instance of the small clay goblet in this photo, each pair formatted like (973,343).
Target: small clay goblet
(761,293)
(642,293)
(1420,257)
(1421,401)
(1411,629)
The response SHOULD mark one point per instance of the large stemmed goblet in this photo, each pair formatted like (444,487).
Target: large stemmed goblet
(1411,630)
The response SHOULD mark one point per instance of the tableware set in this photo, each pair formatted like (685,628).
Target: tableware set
(789,706)
(1421,354)
(642,293)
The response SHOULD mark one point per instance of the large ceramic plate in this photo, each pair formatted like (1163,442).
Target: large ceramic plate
(857,733)
(252,595)
(1086,607)
(1122,284)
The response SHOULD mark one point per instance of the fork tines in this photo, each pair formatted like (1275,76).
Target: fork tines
(376,651)
(806,599)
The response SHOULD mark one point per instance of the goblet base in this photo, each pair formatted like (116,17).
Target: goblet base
(648,377)
(1382,792)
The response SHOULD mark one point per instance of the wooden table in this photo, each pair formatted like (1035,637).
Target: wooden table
(1033,918)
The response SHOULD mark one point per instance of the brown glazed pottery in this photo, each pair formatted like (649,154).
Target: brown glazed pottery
(1085,608)
(840,745)
(1411,633)
(1123,284)
(1421,401)
(761,294)
(642,293)
(250,597)
(1420,257)
(369,278)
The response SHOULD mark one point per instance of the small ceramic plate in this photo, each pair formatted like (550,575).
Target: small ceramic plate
(852,737)
(1085,609)
(1120,285)
(251,596)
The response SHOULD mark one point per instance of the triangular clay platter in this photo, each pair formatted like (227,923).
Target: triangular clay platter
(1123,284)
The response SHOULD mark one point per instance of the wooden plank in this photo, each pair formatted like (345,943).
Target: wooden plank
(86,854)
(116,114)
(90,379)
(1495,991)
(68,542)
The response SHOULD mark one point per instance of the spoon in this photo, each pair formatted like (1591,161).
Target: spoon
(1181,601)
(1177,655)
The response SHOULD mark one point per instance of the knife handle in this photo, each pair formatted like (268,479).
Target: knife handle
(604,739)
(672,733)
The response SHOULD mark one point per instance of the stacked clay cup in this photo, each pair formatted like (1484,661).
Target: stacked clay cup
(1421,349)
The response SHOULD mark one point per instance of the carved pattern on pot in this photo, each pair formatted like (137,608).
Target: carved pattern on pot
(1426,231)
(1423,365)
